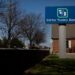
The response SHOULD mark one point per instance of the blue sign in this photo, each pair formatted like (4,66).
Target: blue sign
(60,15)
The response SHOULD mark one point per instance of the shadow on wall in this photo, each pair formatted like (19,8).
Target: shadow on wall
(15,62)
(71,50)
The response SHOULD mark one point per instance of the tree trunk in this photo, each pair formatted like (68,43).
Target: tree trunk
(9,38)
(31,44)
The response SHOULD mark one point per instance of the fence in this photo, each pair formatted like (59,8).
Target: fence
(14,62)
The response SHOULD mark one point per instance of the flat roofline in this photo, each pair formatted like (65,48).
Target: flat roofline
(66,38)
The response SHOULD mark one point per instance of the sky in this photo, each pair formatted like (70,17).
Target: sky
(38,6)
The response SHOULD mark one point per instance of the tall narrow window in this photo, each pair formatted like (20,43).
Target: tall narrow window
(68,43)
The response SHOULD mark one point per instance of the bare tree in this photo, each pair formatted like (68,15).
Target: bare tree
(39,37)
(10,18)
(31,24)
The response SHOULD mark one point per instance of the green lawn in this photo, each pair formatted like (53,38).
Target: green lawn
(52,65)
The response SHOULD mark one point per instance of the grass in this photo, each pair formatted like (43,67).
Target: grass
(52,65)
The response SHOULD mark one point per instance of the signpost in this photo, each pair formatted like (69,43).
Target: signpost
(61,15)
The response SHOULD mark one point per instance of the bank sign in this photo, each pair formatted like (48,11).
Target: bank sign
(60,15)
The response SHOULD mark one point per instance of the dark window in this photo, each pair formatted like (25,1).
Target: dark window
(67,44)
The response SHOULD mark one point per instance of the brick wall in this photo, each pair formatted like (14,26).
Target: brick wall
(73,45)
(55,45)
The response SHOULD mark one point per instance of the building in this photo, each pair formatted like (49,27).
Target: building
(70,38)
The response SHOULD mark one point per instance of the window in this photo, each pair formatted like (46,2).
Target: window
(68,43)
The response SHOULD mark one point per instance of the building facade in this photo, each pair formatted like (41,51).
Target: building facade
(70,38)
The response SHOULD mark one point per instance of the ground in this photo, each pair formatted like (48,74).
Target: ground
(53,65)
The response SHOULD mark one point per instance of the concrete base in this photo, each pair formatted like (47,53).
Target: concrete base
(70,55)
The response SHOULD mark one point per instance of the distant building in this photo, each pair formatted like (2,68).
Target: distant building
(70,36)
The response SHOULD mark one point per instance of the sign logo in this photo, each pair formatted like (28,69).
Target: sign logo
(62,12)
